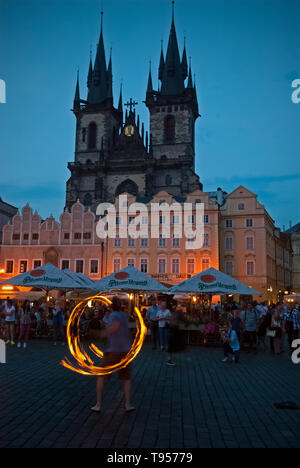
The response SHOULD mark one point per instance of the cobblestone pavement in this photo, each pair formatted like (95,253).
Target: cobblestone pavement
(198,403)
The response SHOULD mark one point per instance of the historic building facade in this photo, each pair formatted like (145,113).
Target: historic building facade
(6,213)
(252,249)
(239,238)
(115,155)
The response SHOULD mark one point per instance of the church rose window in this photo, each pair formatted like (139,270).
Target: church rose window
(92,135)
(170,128)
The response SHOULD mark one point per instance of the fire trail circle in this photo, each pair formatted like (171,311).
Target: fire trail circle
(85,363)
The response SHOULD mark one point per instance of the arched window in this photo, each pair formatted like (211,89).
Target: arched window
(92,135)
(127,186)
(170,128)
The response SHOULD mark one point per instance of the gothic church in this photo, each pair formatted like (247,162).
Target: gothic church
(114,154)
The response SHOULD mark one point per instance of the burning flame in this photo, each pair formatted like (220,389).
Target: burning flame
(86,365)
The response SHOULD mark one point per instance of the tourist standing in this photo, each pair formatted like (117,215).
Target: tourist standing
(58,324)
(236,323)
(276,326)
(25,324)
(174,334)
(163,317)
(250,318)
(119,343)
(151,318)
(292,324)
(10,319)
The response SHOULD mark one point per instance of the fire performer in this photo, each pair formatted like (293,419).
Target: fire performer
(119,343)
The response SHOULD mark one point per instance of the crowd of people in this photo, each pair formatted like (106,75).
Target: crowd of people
(249,326)
(240,326)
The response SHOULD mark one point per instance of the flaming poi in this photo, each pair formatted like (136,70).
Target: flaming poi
(86,365)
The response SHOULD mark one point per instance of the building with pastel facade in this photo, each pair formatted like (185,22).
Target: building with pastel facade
(240,238)
(252,249)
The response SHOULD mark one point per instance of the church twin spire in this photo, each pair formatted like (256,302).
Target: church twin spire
(172,73)
(99,80)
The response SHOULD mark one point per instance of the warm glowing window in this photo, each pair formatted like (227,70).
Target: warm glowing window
(23,266)
(9,266)
(191,266)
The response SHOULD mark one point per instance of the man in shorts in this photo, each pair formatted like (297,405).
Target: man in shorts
(119,343)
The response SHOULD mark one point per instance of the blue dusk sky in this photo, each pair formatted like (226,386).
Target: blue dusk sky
(245,54)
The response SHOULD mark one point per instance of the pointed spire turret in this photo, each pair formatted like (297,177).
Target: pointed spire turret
(190,80)
(100,61)
(90,74)
(184,64)
(150,84)
(120,107)
(100,77)
(161,63)
(109,78)
(172,81)
(76,104)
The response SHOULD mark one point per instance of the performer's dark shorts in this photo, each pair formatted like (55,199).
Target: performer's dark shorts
(113,358)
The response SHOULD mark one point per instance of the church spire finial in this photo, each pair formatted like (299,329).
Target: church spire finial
(102,13)
(173,75)
(120,107)
(150,84)
(190,80)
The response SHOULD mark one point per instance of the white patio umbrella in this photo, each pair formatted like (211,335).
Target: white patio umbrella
(86,279)
(129,278)
(47,277)
(85,282)
(212,281)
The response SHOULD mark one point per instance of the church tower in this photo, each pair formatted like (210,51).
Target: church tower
(112,151)
(173,112)
(97,121)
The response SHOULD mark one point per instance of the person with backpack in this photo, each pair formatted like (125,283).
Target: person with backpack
(250,318)
(291,324)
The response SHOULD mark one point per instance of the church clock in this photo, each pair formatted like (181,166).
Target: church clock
(129,130)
